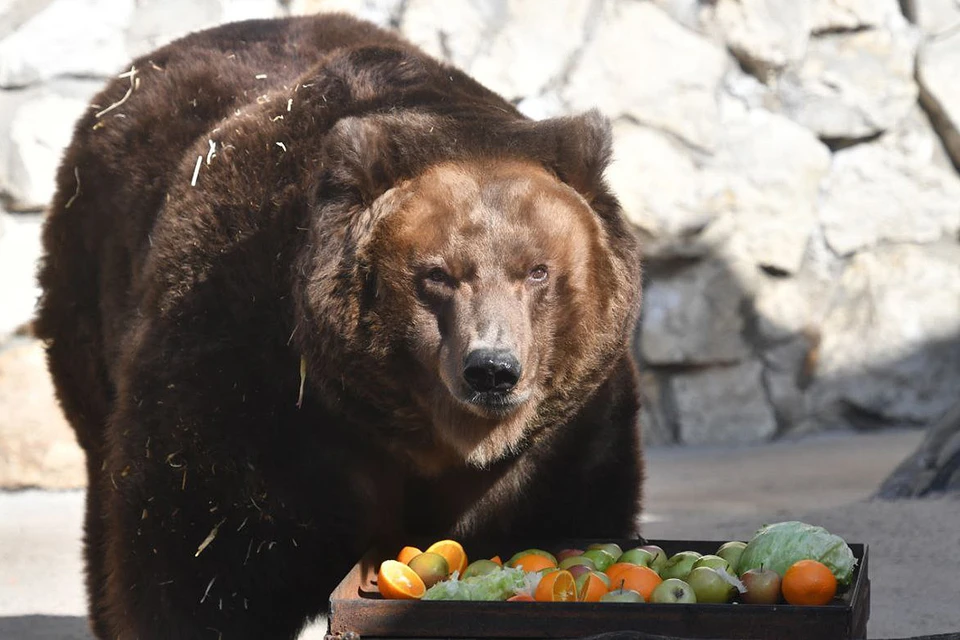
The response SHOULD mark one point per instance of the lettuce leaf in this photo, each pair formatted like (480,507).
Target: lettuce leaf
(777,546)
(498,585)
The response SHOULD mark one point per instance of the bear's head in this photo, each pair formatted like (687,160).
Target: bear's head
(466,292)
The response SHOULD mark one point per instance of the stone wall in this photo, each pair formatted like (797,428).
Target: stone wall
(789,163)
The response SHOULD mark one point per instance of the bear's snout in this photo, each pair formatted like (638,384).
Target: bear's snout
(491,370)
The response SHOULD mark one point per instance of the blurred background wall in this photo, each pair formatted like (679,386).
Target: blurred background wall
(790,164)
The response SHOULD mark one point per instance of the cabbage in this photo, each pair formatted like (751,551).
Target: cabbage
(497,585)
(777,546)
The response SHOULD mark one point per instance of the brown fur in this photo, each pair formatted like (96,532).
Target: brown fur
(378,214)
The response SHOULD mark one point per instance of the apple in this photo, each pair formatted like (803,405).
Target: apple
(659,556)
(539,552)
(638,556)
(710,586)
(673,590)
(763,586)
(431,567)
(563,554)
(679,565)
(578,570)
(712,561)
(601,559)
(610,547)
(573,561)
(731,552)
(621,595)
(480,568)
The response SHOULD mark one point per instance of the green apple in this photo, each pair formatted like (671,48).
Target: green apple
(659,556)
(480,568)
(710,586)
(731,552)
(539,552)
(673,590)
(679,565)
(712,561)
(621,595)
(573,561)
(763,586)
(610,547)
(638,556)
(431,567)
(601,559)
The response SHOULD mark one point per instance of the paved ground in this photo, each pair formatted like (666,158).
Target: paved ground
(691,493)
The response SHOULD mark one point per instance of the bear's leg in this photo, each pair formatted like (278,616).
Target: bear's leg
(93,548)
(176,570)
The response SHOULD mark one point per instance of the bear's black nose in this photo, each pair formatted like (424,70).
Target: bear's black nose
(487,370)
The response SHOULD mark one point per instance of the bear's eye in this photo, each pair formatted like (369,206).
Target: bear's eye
(438,276)
(538,273)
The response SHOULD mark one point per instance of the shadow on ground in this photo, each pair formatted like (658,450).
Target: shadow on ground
(42,627)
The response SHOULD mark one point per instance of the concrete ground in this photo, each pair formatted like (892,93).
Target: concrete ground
(700,493)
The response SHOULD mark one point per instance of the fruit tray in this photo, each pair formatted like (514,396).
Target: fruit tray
(356,606)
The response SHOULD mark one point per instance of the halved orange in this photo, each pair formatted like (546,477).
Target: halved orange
(521,597)
(497,560)
(397,581)
(407,554)
(453,552)
(643,580)
(592,588)
(556,586)
(533,562)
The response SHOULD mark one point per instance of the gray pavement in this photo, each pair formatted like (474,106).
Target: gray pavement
(704,493)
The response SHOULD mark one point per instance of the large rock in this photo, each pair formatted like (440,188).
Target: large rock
(20,249)
(889,346)
(849,15)
(852,85)
(641,64)
(875,194)
(938,67)
(37,446)
(39,130)
(753,197)
(691,316)
(13,13)
(68,37)
(723,404)
(935,16)
(516,47)
(765,35)
(382,12)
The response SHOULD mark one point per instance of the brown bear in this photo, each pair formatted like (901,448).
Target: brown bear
(308,291)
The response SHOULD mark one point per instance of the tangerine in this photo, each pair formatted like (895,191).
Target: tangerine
(808,582)
(453,552)
(643,580)
(533,562)
(556,586)
(397,581)
(407,554)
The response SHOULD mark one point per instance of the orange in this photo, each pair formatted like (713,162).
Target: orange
(397,581)
(592,589)
(407,554)
(643,580)
(453,552)
(521,597)
(808,582)
(533,562)
(497,560)
(616,568)
(556,586)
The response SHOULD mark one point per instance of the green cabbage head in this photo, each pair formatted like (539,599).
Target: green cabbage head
(777,546)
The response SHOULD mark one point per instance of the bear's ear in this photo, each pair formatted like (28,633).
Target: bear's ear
(582,152)
(358,159)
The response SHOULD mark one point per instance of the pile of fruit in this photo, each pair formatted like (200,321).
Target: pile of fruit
(789,561)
